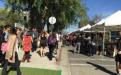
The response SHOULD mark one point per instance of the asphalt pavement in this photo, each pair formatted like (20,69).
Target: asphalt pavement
(81,64)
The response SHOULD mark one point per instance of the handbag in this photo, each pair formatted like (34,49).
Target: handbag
(4,47)
(11,55)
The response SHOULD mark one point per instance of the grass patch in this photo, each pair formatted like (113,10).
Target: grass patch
(35,71)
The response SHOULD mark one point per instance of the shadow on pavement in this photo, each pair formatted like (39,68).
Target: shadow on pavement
(46,54)
(102,68)
(71,51)
(109,56)
(82,52)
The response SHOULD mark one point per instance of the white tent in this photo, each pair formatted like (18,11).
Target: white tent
(100,22)
(114,19)
(88,26)
(97,26)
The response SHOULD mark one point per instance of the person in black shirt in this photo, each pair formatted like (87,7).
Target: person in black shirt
(43,43)
(118,62)
(118,56)
(78,43)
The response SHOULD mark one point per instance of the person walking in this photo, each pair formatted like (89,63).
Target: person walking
(11,56)
(118,56)
(4,40)
(27,46)
(34,37)
(78,44)
(118,62)
(51,44)
(43,43)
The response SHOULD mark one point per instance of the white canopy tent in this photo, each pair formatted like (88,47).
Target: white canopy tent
(112,20)
(88,26)
(100,22)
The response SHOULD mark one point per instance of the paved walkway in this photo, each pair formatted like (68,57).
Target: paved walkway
(44,63)
(39,62)
(65,65)
(82,64)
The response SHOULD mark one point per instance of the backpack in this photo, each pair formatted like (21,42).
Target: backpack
(52,40)
(4,44)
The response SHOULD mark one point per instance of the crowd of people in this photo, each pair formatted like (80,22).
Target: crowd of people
(85,44)
(89,45)
(13,39)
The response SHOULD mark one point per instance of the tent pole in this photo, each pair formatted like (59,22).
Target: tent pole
(110,36)
(104,42)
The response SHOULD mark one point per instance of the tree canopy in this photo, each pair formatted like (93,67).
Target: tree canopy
(7,17)
(65,11)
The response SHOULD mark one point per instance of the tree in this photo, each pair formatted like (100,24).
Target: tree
(8,18)
(65,11)
(2,16)
(84,20)
(95,19)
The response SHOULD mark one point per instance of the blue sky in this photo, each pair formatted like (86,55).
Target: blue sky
(1,4)
(102,7)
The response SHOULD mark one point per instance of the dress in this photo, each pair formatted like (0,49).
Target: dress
(43,42)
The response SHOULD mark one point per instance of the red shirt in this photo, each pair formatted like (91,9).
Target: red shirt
(27,43)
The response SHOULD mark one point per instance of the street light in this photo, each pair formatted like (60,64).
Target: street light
(55,9)
(52,21)
(26,14)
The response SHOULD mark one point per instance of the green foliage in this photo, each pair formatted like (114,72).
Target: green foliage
(65,11)
(12,18)
(95,19)
(9,17)
(84,20)
(2,16)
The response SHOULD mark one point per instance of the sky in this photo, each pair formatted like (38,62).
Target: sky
(102,7)
(1,4)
